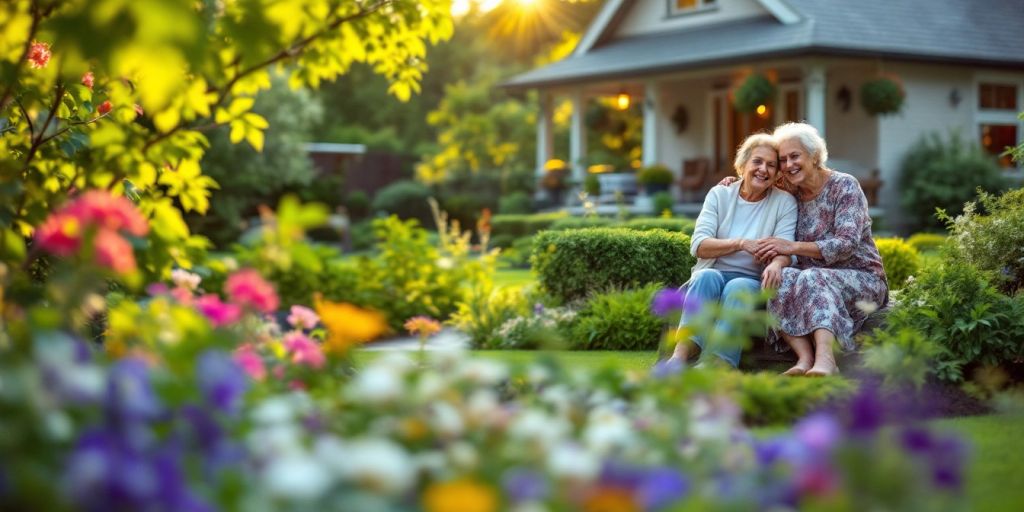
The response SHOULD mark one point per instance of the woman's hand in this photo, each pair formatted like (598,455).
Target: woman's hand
(771,278)
(768,248)
(728,180)
(748,245)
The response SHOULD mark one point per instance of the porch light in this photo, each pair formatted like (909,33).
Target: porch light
(762,110)
(622,101)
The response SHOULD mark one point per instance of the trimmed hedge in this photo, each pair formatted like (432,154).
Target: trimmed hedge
(927,242)
(510,227)
(574,264)
(582,222)
(899,259)
(674,224)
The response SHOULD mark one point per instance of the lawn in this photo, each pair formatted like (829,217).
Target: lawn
(507,277)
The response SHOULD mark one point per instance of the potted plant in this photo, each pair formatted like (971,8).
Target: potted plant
(655,178)
(554,180)
(756,90)
(592,185)
(882,96)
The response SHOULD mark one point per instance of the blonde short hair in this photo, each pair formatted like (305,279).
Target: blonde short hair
(757,140)
(808,137)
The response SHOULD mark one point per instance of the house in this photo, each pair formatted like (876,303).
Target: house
(960,63)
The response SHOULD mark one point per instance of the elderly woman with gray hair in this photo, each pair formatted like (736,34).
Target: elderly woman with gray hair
(732,219)
(838,276)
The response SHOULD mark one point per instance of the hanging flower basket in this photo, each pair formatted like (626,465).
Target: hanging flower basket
(755,90)
(882,96)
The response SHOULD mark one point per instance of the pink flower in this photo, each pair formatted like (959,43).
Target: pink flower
(250,361)
(217,312)
(38,55)
(88,79)
(104,107)
(182,295)
(157,289)
(101,208)
(247,288)
(303,350)
(138,110)
(302,317)
(113,251)
(61,234)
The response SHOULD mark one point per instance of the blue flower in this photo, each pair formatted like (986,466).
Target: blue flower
(221,380)
(662,487)
(818,432)
(130,396)
(667,301)
(867,412)
(538,309)
(523,485)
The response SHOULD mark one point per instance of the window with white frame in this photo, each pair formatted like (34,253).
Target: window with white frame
(998,125)
(689,6)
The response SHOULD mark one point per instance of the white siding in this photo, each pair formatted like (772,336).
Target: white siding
(648,16)
(927,109)
(852,135)
(694,142)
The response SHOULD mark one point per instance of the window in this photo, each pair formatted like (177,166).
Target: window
(688,6)
(999,100)
(997,96)
(995,138)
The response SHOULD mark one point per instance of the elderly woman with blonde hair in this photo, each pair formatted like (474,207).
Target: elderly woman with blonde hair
(724,240)
(838,276)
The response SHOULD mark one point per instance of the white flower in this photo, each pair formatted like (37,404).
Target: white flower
(446,419)
(296,476)
(429,387)
(538,427)
(376,385)
(483,407)
(866,306)
(483,371)
(571,461)
(185,279)
(376,464)
(606,430)
(430,462)
(463,456)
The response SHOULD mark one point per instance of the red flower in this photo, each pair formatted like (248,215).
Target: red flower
(38,55)
(138,110)
(87,79)
(104,107)
(112,212)
(247,288)
(114,252)
(61,234)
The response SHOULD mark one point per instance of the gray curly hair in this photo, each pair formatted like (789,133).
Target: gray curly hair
(807,136)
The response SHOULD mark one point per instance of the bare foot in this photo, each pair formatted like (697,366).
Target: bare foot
(797,370)
(823,367)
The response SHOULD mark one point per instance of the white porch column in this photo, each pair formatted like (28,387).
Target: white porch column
(652,108)
(545,134)
(816,96)
(578,136)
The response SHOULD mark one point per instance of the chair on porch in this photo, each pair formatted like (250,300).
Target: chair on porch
(695,172)
(870,186)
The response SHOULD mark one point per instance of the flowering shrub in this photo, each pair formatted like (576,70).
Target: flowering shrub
(546,328)
(991,238)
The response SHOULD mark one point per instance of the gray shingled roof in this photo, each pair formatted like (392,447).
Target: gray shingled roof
(984,32)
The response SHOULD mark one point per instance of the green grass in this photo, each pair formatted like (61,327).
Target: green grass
(513,277)
(995,476)
(641,361)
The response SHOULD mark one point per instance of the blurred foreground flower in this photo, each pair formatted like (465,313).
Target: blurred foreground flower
(302,317)
(348,325)
(247,288)
(101,215)
(460,496)
(38,55)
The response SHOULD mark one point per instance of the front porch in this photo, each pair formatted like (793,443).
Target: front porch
(691,126)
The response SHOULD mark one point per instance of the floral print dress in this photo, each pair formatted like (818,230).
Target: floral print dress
(834,291)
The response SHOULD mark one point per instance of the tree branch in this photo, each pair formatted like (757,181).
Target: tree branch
(31,128)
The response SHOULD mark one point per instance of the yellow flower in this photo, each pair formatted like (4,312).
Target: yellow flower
(462,495)
(348,325)
(610,499)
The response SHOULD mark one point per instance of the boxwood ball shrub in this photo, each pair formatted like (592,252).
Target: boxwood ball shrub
(620,320)
(663,202)
(407,199)
(927,242)
(674,224)
(515,203)
(900,260)
(574,264)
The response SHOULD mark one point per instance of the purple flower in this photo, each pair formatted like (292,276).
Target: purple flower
(667,301)
(818,432)
(867,412)
(104,473)
(130,396)
(626,476)
(947,459)
(916,440)
(667,368)
(222,381)
(522,485)
(661,487)
(538,309)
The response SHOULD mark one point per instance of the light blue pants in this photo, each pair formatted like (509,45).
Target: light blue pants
(710,285)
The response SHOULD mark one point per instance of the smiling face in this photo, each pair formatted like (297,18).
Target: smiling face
(760,170)
(795,162)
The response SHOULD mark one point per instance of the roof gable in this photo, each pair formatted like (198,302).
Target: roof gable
(640,17)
